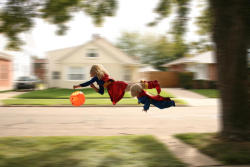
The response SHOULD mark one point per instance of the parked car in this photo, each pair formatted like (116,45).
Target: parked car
(26,82)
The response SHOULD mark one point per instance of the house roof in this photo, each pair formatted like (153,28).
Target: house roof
(147,68)
(5,56)
(203,58)
(99,42)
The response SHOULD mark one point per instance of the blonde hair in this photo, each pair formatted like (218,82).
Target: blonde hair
(98,70)
(135,90)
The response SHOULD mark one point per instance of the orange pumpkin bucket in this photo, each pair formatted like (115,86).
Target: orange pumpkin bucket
(77,98)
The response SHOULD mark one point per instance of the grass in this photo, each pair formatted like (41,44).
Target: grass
(114,151)
(58,93)
(211,93)
(229,153)
(58,96)
(48,102)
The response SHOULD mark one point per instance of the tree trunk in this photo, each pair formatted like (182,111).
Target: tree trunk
(231,37)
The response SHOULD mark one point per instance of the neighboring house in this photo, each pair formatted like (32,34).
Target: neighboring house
(203,65)
(40,68)
(6,72)
(22,64)
(147,68)
(70,66)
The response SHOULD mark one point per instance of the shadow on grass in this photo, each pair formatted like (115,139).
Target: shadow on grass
(158,154)
(60,156)
(113,151)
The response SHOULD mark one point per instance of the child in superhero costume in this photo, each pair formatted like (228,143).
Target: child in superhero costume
(147,99)
(116,89)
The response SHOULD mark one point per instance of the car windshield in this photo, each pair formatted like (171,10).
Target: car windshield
(25,79)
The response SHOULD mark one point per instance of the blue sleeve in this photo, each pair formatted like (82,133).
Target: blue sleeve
(146,104)
(89,82)
(101,90)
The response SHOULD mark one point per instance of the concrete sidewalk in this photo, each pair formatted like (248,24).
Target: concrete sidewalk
(7,95)
(192,98)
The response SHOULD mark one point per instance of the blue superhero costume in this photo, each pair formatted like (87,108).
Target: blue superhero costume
(98,81)
(158,101)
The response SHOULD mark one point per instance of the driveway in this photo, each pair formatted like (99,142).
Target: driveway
(192,98)
(7,95)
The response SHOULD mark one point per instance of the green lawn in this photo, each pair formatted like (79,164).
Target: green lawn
(56,96)
(229,153)
(58,93)
(115,151)
(211,93)
(125,101)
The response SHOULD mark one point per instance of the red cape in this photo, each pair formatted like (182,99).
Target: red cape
(157,97)
(116,89)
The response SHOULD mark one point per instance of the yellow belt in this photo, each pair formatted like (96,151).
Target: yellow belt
(106,84)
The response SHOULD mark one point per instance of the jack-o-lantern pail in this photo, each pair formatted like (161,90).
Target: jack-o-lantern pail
(77,98)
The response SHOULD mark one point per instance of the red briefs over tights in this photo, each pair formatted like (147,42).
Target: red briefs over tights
(116,90)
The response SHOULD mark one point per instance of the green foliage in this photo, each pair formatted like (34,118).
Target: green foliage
(17,16)
(185,79)
(179,24)
(201,46)
(131,43)
(204,84)
(151,49)
(204,22)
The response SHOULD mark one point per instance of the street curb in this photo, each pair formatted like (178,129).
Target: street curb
(80,106)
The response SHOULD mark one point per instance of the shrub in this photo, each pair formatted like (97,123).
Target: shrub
(203,84)
(186,79)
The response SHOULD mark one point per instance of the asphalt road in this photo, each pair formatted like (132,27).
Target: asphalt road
(105,121)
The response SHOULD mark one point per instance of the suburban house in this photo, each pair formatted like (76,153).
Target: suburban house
(70,66)
(203,65)
(6,72)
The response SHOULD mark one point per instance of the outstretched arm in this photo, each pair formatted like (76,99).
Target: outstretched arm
(86,83)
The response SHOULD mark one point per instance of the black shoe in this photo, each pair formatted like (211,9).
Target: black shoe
(173,103)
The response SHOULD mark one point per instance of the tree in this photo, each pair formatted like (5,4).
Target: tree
(204,23)
(151,49)
(17,16)
(131,43)
(231,33)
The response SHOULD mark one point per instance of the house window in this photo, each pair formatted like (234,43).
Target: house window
(56,75)
(4,72)
(76,73)
(127,74)
(92,53)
